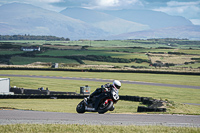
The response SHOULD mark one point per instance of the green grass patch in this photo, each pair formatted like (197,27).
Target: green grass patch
(131,49)
(189,51)
(195,65)
(48,105)
(69,106)
(19,60)
(60,105)
(97,53)
(145,77)
(76,128)
(87,62)
(8,52)
(77,52)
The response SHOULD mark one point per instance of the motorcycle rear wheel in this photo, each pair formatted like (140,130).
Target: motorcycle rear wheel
(80,107)
(103,109)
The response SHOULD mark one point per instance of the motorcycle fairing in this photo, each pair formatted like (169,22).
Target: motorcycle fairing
(97,100)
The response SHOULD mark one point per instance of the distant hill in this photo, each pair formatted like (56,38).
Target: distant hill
(108,23)
(191,32)
(80,23)
(154,19)
(18,18)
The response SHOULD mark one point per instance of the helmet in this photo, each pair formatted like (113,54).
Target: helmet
(117,84)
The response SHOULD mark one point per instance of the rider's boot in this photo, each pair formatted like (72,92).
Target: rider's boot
(87,99)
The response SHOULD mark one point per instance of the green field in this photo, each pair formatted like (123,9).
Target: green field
(131,49)
(146,77)
(88,62)
(147,52)
(60,105)
(17,60)
(6,52)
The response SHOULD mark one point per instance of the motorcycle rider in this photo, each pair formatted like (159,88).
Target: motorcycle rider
(104,88)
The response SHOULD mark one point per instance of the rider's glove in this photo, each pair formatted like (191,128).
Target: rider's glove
(106,89)
(103,86)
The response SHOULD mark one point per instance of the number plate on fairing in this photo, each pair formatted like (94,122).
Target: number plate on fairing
(115,95)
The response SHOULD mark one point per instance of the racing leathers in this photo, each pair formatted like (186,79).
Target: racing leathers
(104,88)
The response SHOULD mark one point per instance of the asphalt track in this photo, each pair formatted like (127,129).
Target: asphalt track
(104,80)
(39,117)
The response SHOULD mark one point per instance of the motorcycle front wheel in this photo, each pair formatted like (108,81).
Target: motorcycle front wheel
(80,107)
(103,108)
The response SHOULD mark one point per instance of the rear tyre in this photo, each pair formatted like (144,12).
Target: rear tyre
(80,107)
(104,108)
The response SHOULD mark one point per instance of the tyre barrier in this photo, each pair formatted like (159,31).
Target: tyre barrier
(153,104)
(149,109)
(131,98)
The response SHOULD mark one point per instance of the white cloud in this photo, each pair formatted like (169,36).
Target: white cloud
(179,7)
(46,4)
(108,2)
(49,1)
(189,10)
(176,3)
(114,4)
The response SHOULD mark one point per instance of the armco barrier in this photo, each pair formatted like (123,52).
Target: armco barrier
(38,92)
(42,96)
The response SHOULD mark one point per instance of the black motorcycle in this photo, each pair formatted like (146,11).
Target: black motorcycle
(100,103)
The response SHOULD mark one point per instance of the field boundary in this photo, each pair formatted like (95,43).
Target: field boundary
(102,70)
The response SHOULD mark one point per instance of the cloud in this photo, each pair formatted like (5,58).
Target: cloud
(189,10)
(175,7)
(176,3)
(49,1)
(114,4)
(107,3)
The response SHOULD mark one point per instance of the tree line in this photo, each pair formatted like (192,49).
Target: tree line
(32,37)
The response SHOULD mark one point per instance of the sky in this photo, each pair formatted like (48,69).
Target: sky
(189,9)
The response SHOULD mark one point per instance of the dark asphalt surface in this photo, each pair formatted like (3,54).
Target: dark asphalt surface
(104,80)
(38,117)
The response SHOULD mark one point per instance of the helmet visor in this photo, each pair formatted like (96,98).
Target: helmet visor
(118,87)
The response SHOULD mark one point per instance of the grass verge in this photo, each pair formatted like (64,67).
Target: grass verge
(75,128)
(69,106)
(145,77)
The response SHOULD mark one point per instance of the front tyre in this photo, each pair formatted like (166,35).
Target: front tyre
(80,107)
(103,108)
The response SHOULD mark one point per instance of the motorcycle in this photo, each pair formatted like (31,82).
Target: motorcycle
(101,103)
